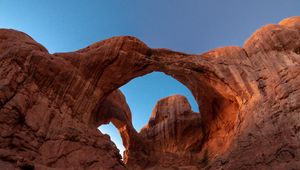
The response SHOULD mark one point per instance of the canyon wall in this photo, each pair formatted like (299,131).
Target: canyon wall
(52,104)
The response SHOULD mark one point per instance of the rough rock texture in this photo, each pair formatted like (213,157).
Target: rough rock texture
(115,109)
(174,132)
(173,127)
(51,104)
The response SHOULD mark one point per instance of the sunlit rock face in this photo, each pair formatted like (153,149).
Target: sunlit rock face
(173,127)
(51,104)
(169,108)
(174,132)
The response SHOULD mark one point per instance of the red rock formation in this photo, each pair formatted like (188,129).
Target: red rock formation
(173,127)
(174,131)
(51,104)
(115,109)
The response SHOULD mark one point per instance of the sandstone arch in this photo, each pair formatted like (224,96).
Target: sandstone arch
(218,100)
(248,98)
(115,109)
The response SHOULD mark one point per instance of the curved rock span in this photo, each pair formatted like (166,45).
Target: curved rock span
(52,104)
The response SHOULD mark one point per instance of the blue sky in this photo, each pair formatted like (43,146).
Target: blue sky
(190,26)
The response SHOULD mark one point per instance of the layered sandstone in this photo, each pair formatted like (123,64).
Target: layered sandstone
(51,104)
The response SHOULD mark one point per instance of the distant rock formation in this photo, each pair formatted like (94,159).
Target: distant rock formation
(174,132)
(52,104)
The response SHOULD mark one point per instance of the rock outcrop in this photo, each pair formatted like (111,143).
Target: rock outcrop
(51,104)
(173,127)
(174,133)
(115,109)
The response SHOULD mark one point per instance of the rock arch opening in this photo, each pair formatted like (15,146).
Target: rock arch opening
(151,98)
(218,100)
(110,130)
(143,93)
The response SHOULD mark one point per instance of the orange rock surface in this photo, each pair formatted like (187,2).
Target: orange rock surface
(52,104)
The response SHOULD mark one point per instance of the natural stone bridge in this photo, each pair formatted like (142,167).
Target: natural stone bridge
(52,104)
